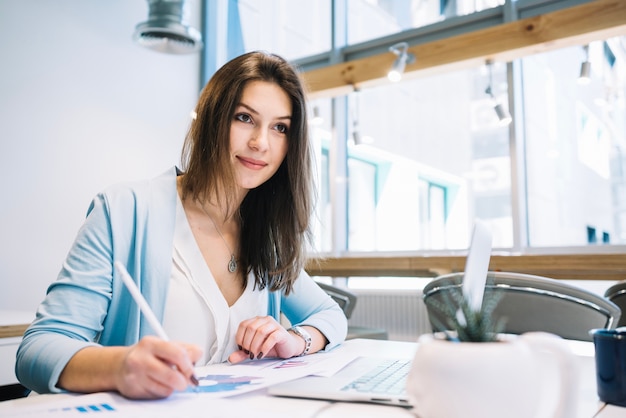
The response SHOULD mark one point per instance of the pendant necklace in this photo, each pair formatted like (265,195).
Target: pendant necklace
(232,264)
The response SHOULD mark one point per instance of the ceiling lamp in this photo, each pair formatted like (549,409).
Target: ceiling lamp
(504,117)
(166,29)
(404,58)
(317,118)
(585,68)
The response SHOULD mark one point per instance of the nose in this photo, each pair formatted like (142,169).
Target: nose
(259,140)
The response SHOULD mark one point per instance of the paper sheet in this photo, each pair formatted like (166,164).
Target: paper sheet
(218,382)
(113,405)
(222,380)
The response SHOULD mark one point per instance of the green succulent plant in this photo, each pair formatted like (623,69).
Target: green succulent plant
(466,324)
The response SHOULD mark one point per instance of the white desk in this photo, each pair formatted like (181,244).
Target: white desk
(259,404)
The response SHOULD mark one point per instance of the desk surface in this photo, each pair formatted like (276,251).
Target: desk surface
(259,404)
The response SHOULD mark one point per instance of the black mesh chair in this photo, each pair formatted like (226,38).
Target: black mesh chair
(534,303)
(617,295)
(347,301)
(344,298)
(14,391)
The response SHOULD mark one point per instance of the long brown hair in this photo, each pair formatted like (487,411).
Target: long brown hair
(274,216)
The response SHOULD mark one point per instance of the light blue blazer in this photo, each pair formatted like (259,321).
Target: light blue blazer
(88,305)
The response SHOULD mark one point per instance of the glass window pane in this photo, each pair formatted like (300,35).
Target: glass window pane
(320,133)
(576,146)
(439,158)
(290,28)
(370,19)
(362,204)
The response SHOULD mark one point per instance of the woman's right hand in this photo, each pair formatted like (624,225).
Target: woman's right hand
(154,368)
(151,369)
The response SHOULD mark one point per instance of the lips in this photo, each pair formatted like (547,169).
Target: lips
(251,163)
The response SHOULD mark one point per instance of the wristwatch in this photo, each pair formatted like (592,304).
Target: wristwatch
(301,332)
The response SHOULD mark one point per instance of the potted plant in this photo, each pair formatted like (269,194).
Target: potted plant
(467,324)
(474,370)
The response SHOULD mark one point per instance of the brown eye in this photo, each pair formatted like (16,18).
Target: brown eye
(243,117)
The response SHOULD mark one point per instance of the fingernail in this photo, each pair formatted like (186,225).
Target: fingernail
(251,356)
(194,380)
(260,356)
(240,347)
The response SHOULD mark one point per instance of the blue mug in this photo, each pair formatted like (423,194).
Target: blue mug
(610,345)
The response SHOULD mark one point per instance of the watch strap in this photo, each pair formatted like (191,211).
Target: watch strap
(304,334)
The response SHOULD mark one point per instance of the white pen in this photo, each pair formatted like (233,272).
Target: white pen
(145,308)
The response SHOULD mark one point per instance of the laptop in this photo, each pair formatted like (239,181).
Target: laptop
(378,379)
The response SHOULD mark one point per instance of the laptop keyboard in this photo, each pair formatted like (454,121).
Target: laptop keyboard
(388,378)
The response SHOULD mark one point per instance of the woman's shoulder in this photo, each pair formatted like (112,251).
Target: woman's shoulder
(165,180)
(160,189)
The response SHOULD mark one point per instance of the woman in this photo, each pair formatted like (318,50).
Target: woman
(217,250)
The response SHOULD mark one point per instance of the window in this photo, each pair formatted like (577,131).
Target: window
(370,19)
(431,155)
(290,28)
(447,162)
(575,147)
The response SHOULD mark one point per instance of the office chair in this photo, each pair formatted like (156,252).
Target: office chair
(534,303)
(617,295)
(347,301)
(344,298)
(13,391)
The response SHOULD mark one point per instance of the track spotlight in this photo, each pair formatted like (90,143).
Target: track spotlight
(317,119)
(404,58)
(585,69)
(357,137)
(356,132)
(504,117)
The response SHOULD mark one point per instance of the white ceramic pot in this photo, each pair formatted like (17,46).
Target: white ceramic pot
(532,375)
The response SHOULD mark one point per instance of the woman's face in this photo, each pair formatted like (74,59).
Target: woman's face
(258,133)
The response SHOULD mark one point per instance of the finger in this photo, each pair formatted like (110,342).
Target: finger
(241,331)
(176,356)
(269,347)
(167,377)
(260,343)
(255,331)
(194,352)
(147,377)
(156,389)
(247,329)
(238,356)
(164,362)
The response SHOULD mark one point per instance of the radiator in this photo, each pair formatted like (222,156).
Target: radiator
(401,312)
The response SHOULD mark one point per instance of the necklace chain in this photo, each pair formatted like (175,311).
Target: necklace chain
(232,263)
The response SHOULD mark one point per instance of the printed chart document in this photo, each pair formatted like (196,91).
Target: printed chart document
(221,380)
(112,405)
(218,382)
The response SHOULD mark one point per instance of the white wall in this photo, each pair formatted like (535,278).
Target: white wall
(81,107)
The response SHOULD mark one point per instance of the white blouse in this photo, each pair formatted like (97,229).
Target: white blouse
(196,311)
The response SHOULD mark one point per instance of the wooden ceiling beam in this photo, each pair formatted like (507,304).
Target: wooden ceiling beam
(577,25)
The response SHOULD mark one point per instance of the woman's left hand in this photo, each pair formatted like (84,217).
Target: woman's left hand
(263,336)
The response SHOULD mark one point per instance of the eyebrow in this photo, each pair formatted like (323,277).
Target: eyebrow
(288,117)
